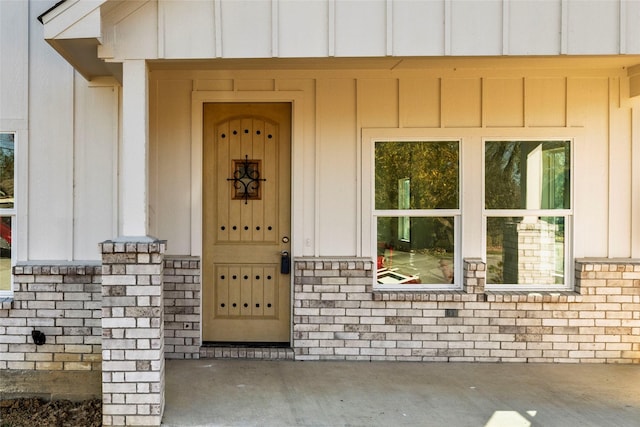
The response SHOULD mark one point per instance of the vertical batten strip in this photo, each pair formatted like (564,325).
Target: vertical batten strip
(217,22)
(316,172)
(483,119)
(440,86)
(275,29)
(635,178)
(448,22)
(622,16)
(525,120)
(524,102)
(359,200)
(161,29)
(389,27)
(566,102)
(115,195)
(331,48)
(564,27)
(506,18)
(72,175)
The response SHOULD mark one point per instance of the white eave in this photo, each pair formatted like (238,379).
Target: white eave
(73,29)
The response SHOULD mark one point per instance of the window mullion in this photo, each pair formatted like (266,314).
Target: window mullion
(417,212)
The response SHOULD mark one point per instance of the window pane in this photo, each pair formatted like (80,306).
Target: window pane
(416,175)
(6,170)
(5,253)
(425,256)
(527,174)
(525,250)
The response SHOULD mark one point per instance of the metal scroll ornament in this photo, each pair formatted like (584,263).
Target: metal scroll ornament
(246,179)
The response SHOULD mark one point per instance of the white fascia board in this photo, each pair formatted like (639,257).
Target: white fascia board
(86,28)
(73,19)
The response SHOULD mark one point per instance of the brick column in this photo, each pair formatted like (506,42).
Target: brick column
(474,276)
(132,332)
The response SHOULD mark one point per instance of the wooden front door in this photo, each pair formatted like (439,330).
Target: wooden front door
(246,222)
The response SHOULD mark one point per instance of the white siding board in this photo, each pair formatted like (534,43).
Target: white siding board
(304,221)
(420,102)
(360,28)
(14,51)
(51,137)
(418,28)
(588,106)
(337,107)
(503,102)
(187,28)
(337,203)
(246,29)
(378,102)
(461,102)
(620,173)
(534,27)
(303,30)
(172,206)
(545,102)
(213,85)
(255,85)
(96,124)
(476,27)
(635,179)
(593,27)
(366,28)
(471,192)
(136,35)
(631,34)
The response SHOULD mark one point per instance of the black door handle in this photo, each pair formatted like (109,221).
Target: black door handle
(285,262)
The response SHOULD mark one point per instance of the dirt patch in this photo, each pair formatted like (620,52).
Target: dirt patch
(28,412)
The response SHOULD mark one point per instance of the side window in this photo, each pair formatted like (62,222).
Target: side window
(527,209)
(416,214)
(7,208)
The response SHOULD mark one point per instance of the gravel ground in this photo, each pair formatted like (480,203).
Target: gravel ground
(28,412)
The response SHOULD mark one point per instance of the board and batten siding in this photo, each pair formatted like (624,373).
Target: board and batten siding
(367,28)
(339,104)
(67,128)
(66,143)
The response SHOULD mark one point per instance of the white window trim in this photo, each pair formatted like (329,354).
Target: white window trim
(13,214)
(472,236)
(370,137)
(568,214)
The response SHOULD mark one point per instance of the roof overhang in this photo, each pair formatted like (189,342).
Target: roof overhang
(74,29)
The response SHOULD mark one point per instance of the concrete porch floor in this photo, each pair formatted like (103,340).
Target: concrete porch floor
(219,392)
(283,393)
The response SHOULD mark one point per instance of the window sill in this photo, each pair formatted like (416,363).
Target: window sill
(6,303)
(532,296)
(488,296)
(425,295)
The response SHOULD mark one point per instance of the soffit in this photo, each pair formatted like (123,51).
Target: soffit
(73,29)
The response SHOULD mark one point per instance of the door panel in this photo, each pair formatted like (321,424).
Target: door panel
(246,194)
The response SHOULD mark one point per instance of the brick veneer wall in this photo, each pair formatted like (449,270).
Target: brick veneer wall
(64,302)
(182,307)
(338,316)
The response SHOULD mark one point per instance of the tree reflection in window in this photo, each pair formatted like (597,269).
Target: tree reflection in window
(6,170)
(528,203)
(417,181)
